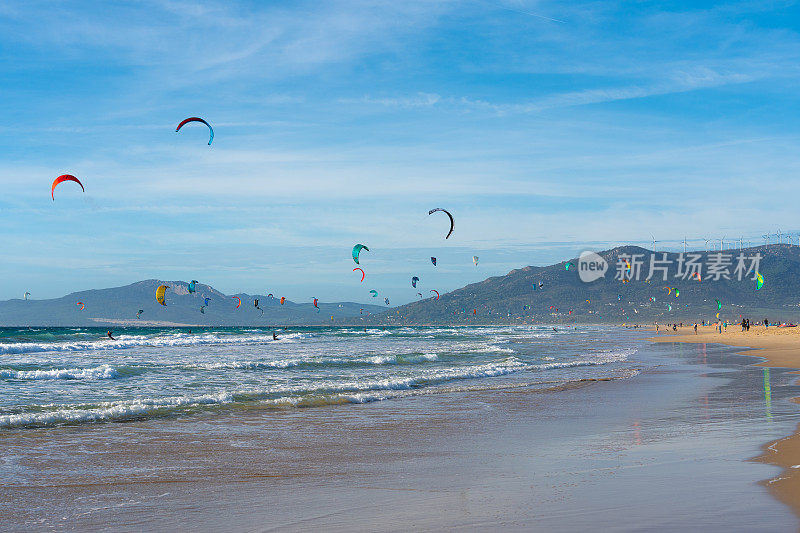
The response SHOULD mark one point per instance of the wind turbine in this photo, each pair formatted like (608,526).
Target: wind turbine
(766,239)
(707,241)
(654,242)
(779,235)
(740,242)
(684,244)
(721,242)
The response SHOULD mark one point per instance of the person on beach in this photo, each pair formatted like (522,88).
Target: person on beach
(674,327)
(766,323)
(743,325)
(274,336)
(110,336)
(695,328)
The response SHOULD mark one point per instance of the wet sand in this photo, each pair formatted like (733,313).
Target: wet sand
(664,450)
(780,348)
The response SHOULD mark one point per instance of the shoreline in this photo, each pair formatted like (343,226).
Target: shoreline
(778,348)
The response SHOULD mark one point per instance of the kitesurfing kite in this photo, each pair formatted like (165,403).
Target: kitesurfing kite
(197,119)
(62,178)
(759,281)
(255,304)
(192,285)
(475,260)
(386,300)
(357,250)
(283,299)
(362,273)
(677,291)
(80,304)
(316,303)
(719,305)
(139,313)
(374,293)
(25,296)
(206,300)
(414,281)
(452,222)
(566,267)
(238,301)
(437,294)
(419,294)
(433,260)
(270,296)
(203,309)
(161,291)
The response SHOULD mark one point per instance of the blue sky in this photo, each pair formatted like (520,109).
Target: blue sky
(545,127)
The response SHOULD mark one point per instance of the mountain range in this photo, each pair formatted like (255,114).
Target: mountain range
(556,293)
(546,294)
(120,306)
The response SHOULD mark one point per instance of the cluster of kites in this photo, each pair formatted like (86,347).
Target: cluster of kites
(358,248)
(356,253)
(671,291)
(161,293)
(162,289)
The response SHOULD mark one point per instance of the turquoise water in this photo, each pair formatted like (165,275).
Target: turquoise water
(57,376)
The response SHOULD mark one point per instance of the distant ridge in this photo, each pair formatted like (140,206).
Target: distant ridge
(117,306)
(502,299)
(496,300)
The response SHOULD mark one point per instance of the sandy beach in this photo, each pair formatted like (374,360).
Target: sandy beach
(780,348)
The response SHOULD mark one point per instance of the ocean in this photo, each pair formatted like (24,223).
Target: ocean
(70,376)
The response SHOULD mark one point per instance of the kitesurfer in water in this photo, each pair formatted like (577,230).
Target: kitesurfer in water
(274,336)
(110,336)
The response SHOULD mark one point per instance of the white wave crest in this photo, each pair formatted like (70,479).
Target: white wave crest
(108,411)
(98,372)
(133,341)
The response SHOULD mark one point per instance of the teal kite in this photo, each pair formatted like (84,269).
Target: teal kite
(357,250)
